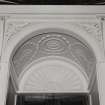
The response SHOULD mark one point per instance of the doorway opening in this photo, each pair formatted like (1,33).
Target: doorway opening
(53,68)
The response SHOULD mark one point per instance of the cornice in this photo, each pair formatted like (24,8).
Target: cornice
(57,9)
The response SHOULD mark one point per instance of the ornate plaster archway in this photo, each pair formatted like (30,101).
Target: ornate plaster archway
(40,28)
(56,30)
(68,29)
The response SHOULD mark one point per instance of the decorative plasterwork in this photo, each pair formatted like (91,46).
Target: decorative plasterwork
(95,31)
(55,45)
(13,27)
(92,27)
(53,75)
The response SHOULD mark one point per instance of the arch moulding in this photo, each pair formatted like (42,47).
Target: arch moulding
(16,39)
(32,30)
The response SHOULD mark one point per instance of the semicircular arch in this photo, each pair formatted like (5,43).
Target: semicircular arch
(33,30)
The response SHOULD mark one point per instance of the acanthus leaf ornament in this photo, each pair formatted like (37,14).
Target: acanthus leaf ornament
(94,29)
(13,28)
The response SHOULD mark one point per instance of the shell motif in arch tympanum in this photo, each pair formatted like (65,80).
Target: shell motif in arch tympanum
(54,44)
(53,75)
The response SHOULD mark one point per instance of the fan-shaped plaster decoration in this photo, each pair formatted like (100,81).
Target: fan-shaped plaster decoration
(53,75)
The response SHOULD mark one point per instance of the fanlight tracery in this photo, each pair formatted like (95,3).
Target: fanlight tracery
(56,45)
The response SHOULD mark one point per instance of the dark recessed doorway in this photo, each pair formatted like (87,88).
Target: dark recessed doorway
(53,99)
(53,2)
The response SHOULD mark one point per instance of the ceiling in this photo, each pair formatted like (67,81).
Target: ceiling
(53,2)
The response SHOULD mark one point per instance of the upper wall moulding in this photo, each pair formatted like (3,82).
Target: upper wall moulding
(92,25)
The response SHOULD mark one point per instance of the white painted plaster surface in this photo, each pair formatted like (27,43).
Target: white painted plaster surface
(4,74)
(11,10)
(52,9)
(101,81)
(1,40)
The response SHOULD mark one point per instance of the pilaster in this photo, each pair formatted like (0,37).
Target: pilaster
(4,77)
(101,68)
(1,32)
(101,81)
(103,23)
(1,42)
